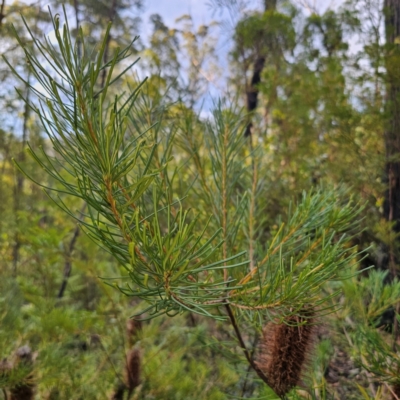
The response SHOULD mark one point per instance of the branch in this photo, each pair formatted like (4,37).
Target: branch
(243,346)
(68,263)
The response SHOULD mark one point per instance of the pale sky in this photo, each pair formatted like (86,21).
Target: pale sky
(201,10)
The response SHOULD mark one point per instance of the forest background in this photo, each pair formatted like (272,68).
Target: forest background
(310,110)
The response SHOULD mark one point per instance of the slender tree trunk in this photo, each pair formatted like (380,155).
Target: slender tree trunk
(113,12)
(2,15)
(258,66)
(252,91)
(76,7)
(68,259)
(18,188)
(270,4)
(392,142)
(392,131)
(77,23)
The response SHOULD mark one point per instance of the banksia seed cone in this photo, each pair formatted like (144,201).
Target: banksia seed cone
(133,369)
(22,392)
(25,390)
(284,351)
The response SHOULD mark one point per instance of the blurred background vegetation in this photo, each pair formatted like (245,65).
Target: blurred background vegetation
(317,92)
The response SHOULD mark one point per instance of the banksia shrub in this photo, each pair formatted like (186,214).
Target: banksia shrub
(285,349)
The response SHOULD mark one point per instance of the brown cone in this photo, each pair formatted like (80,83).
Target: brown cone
(133,369)
(284,351)
(25,390)
(22,392)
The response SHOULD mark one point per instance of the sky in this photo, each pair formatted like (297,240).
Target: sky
(202,11)
(172,9)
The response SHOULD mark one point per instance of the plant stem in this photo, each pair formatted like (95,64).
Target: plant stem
(243,345)
(68,262)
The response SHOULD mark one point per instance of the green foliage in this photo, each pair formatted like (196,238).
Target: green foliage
(79,352)
(170,262)
(256,31)
(184,215)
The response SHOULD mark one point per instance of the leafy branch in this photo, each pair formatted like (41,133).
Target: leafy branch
(99,160)
(119,164)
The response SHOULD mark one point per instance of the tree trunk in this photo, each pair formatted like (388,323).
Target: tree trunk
(392,144)
(2,15)
(68,259)
(112,14)
(270,4)
(18,188)
(252,89)
(392,131)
